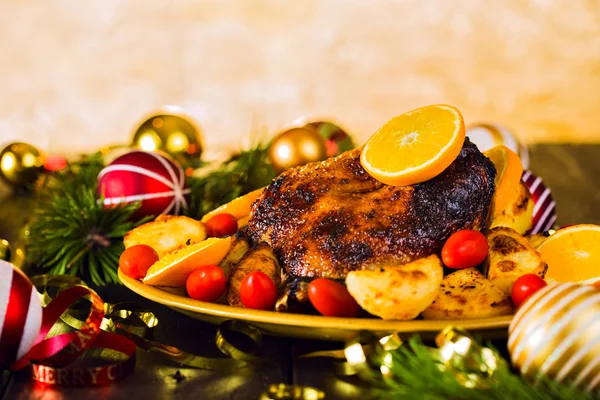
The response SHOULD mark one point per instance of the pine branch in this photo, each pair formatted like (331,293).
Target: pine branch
(417,373)
(247,171)
(72,233)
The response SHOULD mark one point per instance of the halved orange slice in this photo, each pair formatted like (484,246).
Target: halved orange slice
(174,268)
(414,147)
(238,207)
(573,254)
(508,176)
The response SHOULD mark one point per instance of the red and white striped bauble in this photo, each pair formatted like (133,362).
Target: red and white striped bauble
(544,210)
(20,314)
(153,178)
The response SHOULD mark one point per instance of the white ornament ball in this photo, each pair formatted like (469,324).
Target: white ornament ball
(20,314)
(556,333)
(488,135)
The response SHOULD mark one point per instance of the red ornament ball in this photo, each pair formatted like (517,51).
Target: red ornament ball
(20,314)
(153,178)
(544,209)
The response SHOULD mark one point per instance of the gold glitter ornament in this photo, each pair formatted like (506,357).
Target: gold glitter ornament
(295,147)
(473,365)
(283,391)
(20,164)
(172,132)
(556,333)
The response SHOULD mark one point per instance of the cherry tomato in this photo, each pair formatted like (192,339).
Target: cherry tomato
(207,283)
(332,299)
(525,286)
(221,225)
(258,291)
(136,260)
(465,249)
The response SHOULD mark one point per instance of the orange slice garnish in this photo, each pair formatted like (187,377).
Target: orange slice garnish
(174,268)
(508,176)
(238,207)
(573,254)
(414,147)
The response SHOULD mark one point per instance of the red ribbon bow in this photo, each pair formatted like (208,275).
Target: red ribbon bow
(49,358)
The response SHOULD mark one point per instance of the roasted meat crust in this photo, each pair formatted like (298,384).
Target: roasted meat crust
(329,218)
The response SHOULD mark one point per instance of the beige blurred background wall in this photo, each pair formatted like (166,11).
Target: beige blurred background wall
(77,75)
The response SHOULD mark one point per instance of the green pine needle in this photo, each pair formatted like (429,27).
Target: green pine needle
(247,171)
(417,375)
(72,233)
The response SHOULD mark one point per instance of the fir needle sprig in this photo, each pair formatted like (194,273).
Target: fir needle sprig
(417,374)
(72,232)
(246,171)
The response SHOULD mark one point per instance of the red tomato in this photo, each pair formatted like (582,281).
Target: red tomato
(465,249)
(221,225)
(258,291)
(525,286)
(332,299)
(596,284)
(207,283)
(136,260)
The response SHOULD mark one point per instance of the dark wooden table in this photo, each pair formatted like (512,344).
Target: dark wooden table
(571,171)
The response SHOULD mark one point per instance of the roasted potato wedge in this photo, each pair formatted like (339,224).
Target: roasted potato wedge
(167,233)
(510,256)
(397,292)
(261,259)
(518,214)
(467,294)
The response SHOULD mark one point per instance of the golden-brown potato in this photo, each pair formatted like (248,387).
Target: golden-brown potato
(167,233)
(397,292)
(510,256)
(518,214)
(467,294)
(261,259)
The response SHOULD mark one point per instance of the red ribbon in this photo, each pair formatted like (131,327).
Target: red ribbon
(49,358)
(16,317)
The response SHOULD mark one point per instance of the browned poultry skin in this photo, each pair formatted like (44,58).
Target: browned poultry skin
(326,219)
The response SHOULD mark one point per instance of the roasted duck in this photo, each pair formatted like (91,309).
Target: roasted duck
(329,218)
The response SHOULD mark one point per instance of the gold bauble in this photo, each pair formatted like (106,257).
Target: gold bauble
(556,333)
(20,164)
(296,146)
(174,134)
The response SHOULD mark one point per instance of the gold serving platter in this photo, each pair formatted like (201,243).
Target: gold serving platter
(310,326)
